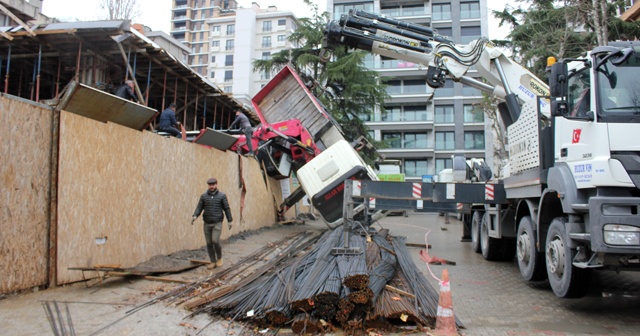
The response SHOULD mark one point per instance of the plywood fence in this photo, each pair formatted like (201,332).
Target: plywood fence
(25,152)
(123,195)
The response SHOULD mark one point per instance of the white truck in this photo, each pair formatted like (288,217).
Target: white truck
(570,199)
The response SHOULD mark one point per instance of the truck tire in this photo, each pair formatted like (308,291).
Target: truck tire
(476,223)
(530,261)
(490,246)
(566,280)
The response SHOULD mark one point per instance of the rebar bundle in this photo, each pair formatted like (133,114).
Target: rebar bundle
(385,269)
(426,295)
(306,324)
(316,275)
(353,268)
(326,301)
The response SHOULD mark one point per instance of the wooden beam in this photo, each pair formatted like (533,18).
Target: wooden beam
(5,35)
(133,75)
(16,19)
(399,291)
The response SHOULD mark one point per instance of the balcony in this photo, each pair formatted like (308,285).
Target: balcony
(395,64)
(404,12)
(181,18)
(266,45)
(181,7)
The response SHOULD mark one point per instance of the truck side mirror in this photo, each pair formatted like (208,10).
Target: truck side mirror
(558,88)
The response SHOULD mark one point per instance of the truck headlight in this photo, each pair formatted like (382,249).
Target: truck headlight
(615,234)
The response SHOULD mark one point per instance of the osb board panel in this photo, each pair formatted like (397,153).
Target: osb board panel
(25,147)
(139,190)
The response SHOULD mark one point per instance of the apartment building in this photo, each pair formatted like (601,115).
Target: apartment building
(425,127)
(225,40)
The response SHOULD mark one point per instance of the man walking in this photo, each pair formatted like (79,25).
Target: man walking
(214,202)
(168,123)
(245,126)
(126,91)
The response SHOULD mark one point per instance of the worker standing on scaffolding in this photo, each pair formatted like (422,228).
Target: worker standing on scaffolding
(126,91)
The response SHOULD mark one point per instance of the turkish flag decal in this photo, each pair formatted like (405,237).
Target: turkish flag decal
(576,135)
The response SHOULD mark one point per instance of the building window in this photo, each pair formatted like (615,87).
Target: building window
(441,12)
(213,74)
(468,34)
(417,113)
(393,139)
(447,32)
(415,140)
(414,86)
(472,115)
(470,91)
(266,26)
(231,29)
(445,140)
(213,58)
(215,44)
(474,140)
(266,41)
(265,75)
(229,45)
(281,38)
(338,10)
(444,114)
(228,75)
(227,88)
(282,22)
(446,90)
(266,55)
(443,164)
(228,60)
(394,87)
(416,168)
(469,10)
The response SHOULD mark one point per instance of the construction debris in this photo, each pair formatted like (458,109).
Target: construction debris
(298,283)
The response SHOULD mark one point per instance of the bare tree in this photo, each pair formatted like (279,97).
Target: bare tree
(120,9)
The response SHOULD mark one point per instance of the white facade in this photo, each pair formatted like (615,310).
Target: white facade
(257,34)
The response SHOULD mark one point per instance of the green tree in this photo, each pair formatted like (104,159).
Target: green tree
(345,86)
(562,29)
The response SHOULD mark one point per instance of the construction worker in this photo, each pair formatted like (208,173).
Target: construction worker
(245,126)
(126,91)
(214,202)
(167,122)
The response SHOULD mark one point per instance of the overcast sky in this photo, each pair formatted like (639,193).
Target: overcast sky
(157,13)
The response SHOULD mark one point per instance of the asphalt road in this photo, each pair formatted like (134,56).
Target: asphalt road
(491,298)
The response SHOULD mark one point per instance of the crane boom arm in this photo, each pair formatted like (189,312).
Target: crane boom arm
(410,42)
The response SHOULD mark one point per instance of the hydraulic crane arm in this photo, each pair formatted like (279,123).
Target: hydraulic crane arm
(410,42)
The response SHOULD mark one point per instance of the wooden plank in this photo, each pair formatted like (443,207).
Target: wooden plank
(25,172)
(399,291)
(146,277)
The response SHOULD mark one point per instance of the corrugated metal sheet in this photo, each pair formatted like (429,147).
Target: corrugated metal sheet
(216,139)
(118,24)
(286,97)
(99,105)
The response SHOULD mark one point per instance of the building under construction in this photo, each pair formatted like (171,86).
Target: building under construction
(39,60)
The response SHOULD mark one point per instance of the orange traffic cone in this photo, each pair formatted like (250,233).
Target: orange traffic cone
(445,321)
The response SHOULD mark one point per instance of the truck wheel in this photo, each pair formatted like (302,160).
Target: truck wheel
(490,246)
(566,280)
(476,222)
(530,261)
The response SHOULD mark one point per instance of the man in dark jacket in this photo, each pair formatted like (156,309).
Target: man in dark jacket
(214,202)
(242,121)
(168,123)
(126,91)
